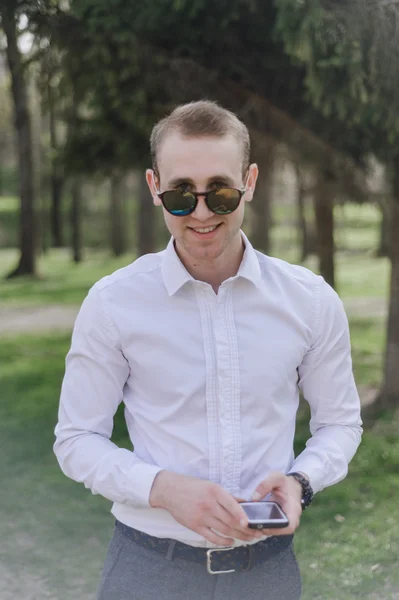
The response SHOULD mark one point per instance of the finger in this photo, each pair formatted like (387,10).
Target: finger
(293,523)
(237,530)
(272,481)
(234,509)
(213,537)
(279,531)
(247,536)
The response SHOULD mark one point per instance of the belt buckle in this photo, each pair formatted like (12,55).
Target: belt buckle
(209,560)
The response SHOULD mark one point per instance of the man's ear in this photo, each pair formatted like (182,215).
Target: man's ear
(250,182)
(152,183)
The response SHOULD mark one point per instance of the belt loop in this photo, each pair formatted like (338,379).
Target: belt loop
(251,551)
(169,554)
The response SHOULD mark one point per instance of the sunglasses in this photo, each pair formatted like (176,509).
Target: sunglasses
(221,201)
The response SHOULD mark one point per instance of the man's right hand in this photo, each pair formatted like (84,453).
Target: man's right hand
(202,506)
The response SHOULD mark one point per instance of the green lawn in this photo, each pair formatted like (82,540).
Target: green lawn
(61,281)
(53,528)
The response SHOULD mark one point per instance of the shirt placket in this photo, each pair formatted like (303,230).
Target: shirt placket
(206,299)
(228,376)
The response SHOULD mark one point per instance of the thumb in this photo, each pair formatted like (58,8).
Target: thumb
(272,481)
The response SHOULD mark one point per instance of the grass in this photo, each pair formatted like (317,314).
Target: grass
(346,545)
(368,344)
(348,542)
(50,527)
(61,281)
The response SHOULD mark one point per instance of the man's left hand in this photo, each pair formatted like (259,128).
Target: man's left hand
(288,493)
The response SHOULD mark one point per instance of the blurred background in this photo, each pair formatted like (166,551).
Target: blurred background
(81,84)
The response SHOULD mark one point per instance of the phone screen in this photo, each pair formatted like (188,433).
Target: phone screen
(262,511)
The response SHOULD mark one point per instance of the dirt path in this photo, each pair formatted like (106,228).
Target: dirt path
(25,319)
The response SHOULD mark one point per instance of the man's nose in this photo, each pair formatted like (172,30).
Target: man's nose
(202,212)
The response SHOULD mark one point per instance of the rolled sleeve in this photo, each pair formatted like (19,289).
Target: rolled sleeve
(92,389)
(327,383)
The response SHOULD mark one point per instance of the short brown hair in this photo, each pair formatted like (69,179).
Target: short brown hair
(197,119)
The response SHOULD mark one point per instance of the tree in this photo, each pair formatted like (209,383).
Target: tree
(10,12)
(384,248)
(305,233)
(7,150)
(263,151)
(49,71)
(390,391)
(117,214)
(323,196)
(76,219)
(145,219)
(342,45)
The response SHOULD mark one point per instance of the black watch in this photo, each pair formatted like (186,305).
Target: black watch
(307,491)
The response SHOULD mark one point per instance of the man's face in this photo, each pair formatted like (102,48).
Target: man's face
(201,164)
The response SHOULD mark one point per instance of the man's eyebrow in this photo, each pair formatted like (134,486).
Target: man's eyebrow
(179,181)
(221,179)
(214,179)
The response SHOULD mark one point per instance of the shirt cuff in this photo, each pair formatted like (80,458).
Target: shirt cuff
(313,469)
(139,483)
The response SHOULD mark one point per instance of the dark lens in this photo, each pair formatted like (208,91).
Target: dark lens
(224,200)
(178,203)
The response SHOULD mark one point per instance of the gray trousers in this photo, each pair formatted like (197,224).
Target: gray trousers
(132,572)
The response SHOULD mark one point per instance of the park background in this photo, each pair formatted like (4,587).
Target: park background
(81,84)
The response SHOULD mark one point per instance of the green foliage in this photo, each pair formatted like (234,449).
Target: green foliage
(340,46)
(118,73)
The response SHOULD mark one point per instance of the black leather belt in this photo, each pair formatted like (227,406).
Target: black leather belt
(216,560)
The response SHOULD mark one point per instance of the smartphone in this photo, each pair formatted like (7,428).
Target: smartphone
(266,514)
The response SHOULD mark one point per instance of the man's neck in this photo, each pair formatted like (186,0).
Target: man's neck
(216,271)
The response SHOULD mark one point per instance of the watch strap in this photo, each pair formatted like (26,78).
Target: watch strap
(307,491)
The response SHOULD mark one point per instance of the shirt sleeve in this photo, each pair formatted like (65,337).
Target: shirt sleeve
(92,389)
(327,383)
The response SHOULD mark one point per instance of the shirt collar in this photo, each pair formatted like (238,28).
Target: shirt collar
(175,275)
(249,267)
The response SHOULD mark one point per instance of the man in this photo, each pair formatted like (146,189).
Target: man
(207,344)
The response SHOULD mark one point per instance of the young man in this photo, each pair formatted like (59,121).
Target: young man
(207,344)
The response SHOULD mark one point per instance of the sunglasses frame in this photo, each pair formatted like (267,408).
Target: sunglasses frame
(205,195)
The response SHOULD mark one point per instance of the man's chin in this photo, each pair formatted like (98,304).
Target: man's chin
(204,252)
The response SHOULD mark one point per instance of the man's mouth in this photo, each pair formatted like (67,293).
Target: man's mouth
(205,229)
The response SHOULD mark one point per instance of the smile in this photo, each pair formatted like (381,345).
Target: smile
(204,229)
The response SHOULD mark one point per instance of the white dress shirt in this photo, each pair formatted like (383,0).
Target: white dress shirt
(210,382)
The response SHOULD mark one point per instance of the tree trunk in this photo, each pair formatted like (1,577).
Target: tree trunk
(27,262)
(56,218)
(145,220)
(2,162)
(76,220)
(118,220)
(324,216)
(384,248)
(264,155)
(304,234)
(390,390)
(56,178)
